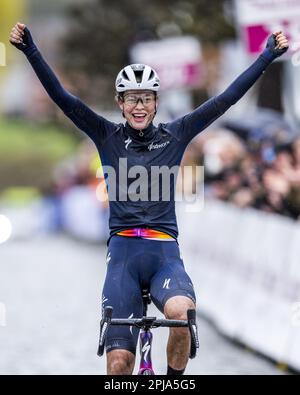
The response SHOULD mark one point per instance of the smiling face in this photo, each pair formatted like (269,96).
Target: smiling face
(139,108)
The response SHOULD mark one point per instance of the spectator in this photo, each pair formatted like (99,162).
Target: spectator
(263,176)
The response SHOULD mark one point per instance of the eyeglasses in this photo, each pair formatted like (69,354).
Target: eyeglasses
(146,98)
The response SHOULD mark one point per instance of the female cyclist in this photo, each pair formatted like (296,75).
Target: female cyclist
(143,251)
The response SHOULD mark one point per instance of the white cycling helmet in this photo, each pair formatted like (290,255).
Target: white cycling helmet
(137,77)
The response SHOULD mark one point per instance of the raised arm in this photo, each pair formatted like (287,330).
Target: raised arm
(95,126)
(189,126)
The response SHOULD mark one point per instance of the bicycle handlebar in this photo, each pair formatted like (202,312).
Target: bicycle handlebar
(148,323)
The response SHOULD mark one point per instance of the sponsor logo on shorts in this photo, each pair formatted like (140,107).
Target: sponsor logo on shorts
(131,328)
(167,283)
(108,259)
(104,299)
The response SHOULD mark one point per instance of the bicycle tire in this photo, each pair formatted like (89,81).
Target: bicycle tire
(147,372)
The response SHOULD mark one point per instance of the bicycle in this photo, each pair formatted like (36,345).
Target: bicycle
(145,325)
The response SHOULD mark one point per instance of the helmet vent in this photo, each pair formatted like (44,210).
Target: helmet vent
(139,76)
(151,75)
(125,76)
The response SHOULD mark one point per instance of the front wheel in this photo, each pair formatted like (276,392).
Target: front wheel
(147,372)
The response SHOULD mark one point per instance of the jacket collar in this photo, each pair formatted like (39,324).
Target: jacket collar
(142,136)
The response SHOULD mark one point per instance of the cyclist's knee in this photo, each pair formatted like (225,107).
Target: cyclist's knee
(120,362)
(176,308)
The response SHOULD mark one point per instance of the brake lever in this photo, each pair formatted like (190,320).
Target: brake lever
(192,322)
(104,325)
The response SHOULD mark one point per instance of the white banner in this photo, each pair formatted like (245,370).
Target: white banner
(2,315)
(178,60)
(245,266)
(263,11)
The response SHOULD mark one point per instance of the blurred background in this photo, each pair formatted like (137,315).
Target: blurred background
(242,249)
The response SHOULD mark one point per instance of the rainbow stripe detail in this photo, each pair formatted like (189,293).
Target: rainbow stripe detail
(149,234)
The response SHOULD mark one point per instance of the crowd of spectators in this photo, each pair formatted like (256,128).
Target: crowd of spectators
(263,174)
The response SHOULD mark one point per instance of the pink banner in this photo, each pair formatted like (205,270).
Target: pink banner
(256,35)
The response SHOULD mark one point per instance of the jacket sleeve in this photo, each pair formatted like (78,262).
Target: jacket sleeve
(95,126)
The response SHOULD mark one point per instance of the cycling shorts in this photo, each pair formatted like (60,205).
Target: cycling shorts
(134,264)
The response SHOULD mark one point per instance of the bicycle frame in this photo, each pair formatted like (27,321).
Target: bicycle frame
(146,338)
(145,324)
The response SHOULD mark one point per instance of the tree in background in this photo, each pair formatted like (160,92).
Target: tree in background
(101,33)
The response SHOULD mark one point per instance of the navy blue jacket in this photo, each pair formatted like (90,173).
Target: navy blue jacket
(162,145)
